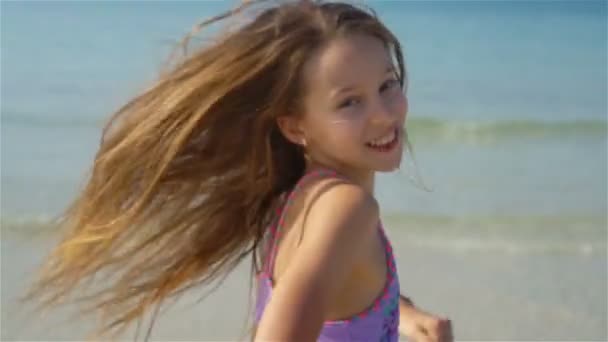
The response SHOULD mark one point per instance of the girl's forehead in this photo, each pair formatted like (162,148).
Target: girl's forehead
(348,61)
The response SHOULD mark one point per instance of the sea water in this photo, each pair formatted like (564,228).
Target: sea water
(507,106)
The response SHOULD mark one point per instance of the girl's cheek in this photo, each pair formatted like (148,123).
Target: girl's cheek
(350,117)
(344,129)
(401,105)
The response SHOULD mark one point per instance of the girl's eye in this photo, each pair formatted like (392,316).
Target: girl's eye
(351,101)
(389,84)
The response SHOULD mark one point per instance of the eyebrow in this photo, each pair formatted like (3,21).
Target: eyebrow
(335,93)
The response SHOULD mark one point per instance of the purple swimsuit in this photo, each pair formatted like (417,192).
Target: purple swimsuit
(379,322)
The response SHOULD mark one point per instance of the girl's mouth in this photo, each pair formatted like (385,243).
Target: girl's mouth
(385,143)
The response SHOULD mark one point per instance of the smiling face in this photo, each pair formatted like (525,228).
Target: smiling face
(354,107)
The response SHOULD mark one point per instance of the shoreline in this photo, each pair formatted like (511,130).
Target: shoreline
(487,295)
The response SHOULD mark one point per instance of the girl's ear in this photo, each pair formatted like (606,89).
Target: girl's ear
(291,129)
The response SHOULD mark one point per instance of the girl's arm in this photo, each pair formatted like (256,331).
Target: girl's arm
(418,325)
(405,303)
(338,232)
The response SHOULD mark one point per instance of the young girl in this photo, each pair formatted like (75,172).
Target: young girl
(265,142)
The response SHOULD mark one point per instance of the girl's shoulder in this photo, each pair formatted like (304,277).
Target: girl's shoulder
(339,227)
(334,203)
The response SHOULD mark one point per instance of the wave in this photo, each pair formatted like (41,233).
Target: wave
(418,127)
(27,119)
(433,128)
(508,246)
(514,224)
(580,235)
(29,226)
(516,234)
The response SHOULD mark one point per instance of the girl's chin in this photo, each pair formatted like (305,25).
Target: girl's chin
(387,163)
(388,168)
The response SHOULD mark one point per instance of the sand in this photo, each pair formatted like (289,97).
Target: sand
(488,295)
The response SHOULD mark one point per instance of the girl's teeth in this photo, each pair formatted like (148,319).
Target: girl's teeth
(383,141)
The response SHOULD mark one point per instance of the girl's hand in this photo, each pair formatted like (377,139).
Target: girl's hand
(419,326)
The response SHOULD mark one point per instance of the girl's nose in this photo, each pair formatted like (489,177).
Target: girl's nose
(381,113)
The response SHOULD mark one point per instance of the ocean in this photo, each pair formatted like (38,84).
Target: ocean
(508,123)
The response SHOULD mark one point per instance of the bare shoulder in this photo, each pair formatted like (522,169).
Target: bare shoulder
(334,204)
(339,228)
(340,224)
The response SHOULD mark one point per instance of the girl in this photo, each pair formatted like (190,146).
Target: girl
(264,142)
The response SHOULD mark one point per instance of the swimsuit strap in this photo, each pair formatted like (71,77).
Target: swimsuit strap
(390,257)
(274,230)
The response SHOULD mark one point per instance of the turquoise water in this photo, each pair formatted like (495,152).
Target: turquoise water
(507,118)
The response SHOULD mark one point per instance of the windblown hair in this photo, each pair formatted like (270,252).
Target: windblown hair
(189,172)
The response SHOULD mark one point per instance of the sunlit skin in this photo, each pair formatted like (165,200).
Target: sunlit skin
(344,110)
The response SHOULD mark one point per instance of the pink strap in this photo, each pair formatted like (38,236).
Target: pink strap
(275,229)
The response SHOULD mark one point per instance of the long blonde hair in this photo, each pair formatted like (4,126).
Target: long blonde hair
(188,172)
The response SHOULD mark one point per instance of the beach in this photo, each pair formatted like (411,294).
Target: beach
(490,295)
(507,118)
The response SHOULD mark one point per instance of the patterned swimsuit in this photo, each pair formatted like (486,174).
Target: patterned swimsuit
(379,322)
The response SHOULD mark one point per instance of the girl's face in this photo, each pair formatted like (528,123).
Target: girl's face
(354,107)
